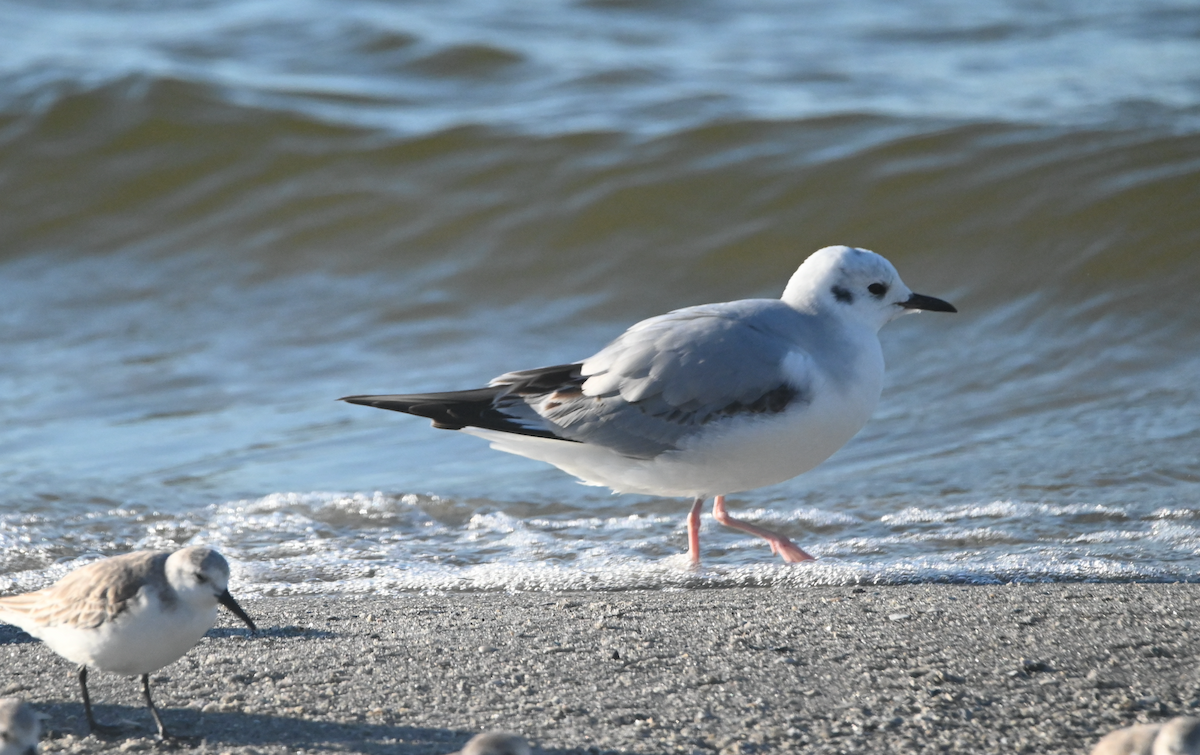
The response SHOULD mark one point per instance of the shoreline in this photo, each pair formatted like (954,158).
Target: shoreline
(1045,668)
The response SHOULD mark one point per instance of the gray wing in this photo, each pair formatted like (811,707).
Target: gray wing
(93,594)
(666,378)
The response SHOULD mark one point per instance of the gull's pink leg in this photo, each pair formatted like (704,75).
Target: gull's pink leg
(694,532)
(779,544)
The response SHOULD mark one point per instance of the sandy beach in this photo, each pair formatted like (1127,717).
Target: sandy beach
(923,668)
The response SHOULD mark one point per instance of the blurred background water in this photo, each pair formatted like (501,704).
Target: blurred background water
(218,216)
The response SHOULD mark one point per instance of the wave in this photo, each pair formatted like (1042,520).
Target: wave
(167,168)
(302,543)
(649,69)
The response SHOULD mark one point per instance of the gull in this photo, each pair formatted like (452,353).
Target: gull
(129,614)
(495,743)
(19,728)
(703,401)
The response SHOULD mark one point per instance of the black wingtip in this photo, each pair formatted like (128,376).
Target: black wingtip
(397,403)
(457,410)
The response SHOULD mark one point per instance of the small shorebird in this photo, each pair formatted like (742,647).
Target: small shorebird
(1179,736)
(130,614)
(19,728)
(1131,740)
(495,743)
(703,401)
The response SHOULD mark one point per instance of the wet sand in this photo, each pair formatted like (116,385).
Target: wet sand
(924,668)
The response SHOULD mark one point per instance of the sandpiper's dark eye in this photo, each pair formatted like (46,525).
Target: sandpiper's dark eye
(201,577)
(877,289)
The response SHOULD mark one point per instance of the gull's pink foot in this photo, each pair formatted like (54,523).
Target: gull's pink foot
(693,527)
(789,551)
(780,545)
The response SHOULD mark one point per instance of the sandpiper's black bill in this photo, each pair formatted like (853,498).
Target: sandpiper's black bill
(927,304)
(227,600)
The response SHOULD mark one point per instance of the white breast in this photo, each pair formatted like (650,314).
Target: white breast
(143,638)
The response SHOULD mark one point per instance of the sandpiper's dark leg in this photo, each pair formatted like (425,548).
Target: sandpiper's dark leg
(162,730)
(93,726)
(163,734)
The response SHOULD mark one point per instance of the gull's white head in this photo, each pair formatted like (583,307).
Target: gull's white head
(859,285)
(19,728)
(200,576)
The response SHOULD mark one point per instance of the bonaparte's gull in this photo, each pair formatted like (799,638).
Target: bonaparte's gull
(129,614)
(707,400)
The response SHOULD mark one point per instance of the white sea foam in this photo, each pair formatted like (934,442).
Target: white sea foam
(350,543)
(999,510)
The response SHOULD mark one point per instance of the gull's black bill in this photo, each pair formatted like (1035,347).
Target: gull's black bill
(927,304)
(227,600)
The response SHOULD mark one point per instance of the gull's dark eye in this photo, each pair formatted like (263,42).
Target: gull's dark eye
(201,577)
(877,289)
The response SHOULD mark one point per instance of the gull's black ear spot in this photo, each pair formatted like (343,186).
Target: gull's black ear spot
(842,294)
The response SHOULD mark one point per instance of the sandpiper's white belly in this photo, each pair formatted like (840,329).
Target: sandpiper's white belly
(143,638)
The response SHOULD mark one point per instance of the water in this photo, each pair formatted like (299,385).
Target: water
(218,217)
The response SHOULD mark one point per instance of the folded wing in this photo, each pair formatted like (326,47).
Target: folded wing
(85,598)
(647,391)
